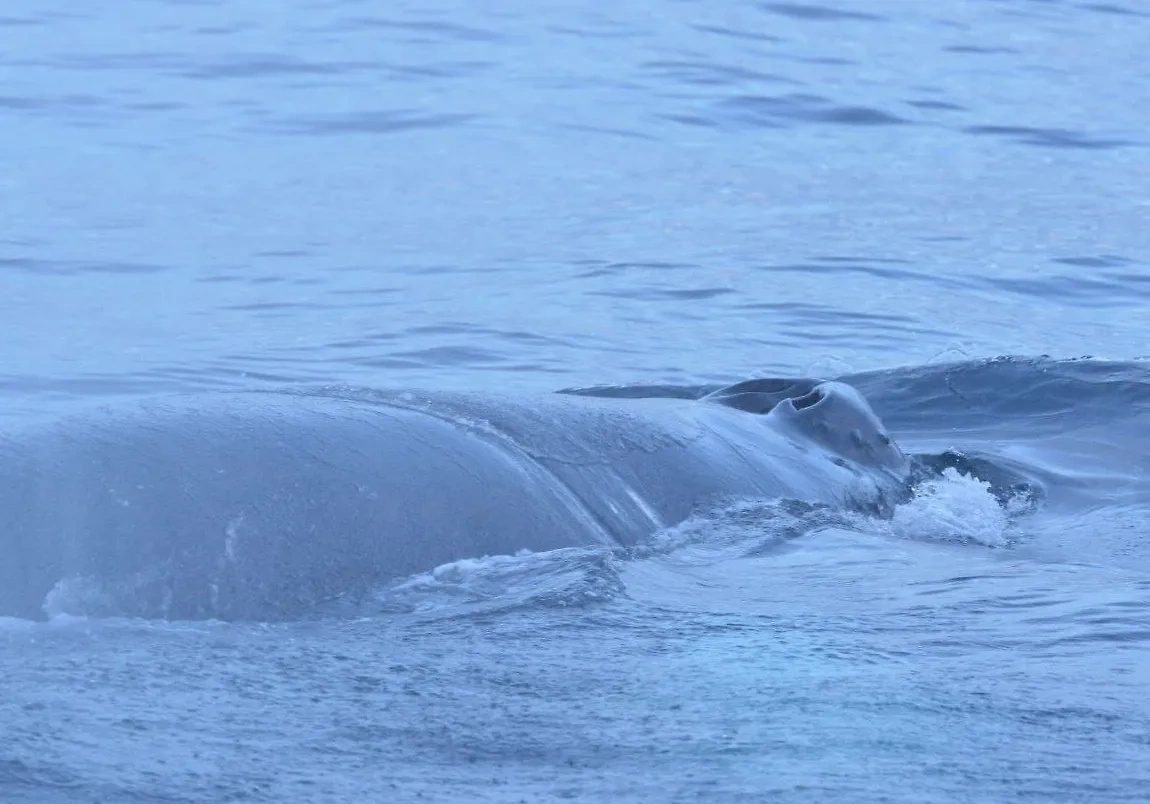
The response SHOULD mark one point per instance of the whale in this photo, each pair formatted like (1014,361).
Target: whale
(263,504)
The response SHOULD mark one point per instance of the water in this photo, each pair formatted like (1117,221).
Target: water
(200,196)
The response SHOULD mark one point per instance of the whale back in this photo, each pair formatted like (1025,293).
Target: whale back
(261,504)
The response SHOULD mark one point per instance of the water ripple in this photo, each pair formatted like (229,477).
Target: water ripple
(804,11)
(377,122)
(1099,261)
(260,65)
(737,33)
(1110,8)
(831,267)
(665,294)
(422,32)
(980,50)
(705,73)
(936,105)
(73,267)
(1100,289)
(782,110)
(1049,137)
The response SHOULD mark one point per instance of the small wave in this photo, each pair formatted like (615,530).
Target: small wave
(1007,396)
(746,527)
(15,773)
(566,578)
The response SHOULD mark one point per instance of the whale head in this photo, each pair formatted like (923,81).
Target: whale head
(837,417)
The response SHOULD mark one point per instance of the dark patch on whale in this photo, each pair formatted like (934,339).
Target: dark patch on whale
(259,505)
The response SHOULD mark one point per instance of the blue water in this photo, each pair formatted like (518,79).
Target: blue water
(200,196)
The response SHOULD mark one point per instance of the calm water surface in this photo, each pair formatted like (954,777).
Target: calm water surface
(200,195)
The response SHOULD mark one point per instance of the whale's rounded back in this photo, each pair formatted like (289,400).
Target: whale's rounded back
(837,417)
(262,505)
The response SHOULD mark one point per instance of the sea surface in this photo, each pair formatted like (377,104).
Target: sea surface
(946,204)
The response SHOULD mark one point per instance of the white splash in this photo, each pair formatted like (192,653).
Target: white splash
(953,508)
(232,538)
(77,596)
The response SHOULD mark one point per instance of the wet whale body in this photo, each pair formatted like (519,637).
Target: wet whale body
(258,505)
